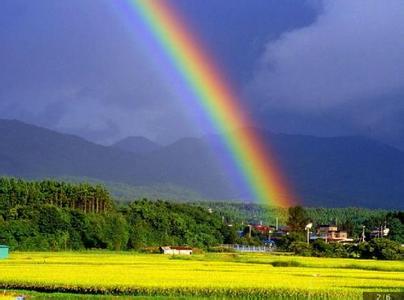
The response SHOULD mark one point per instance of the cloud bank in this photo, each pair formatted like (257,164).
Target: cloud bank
(349,63)
(74,67)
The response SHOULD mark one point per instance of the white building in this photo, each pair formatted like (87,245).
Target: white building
(176,250)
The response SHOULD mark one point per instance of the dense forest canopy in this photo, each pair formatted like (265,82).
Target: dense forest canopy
(57,215)
(16,194)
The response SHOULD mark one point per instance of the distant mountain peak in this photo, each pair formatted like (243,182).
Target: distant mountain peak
(137,144)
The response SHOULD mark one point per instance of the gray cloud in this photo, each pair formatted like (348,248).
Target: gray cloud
(343,74)
(104,114)
(74,67)
(349,64)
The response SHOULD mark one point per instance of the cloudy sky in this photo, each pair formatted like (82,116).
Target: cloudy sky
(308,67)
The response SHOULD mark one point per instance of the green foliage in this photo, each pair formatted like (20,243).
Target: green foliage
(18,197)
(252,241)
(285,242)
(161,223)
(117,231)
(107,231)
(125,193)
(350,219)
(239,212)
(297,219)
(321,248)
(301,248)
(52,219)
(50,215)
(229,234)
(381,249)
(395,222)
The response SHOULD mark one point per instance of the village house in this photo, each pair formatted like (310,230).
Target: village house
(263,229)
(277,234)
(331,234)
(282,231)
(176,250)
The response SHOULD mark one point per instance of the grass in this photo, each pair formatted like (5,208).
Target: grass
(207,275)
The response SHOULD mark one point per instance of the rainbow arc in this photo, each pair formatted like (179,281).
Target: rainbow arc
(218,101)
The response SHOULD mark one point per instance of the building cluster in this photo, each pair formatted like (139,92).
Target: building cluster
(271,234)
(328,232)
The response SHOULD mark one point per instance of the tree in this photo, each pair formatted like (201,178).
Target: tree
(396,228)
(380,248)
(52,219)
(301,248)
(229,234)
(297,219)
(116,232)
(383,249)
(285,242)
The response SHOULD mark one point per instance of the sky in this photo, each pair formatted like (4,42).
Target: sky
(315,67)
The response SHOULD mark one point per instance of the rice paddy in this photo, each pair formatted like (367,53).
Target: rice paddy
(204,275)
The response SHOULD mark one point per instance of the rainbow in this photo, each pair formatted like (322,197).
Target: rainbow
(217,100)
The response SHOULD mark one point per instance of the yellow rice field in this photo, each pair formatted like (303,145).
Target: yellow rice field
(238,275)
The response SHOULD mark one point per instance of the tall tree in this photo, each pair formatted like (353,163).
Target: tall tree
(297,219)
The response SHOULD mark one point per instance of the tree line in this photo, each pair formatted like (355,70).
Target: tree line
(55,215)
(52,215)
(18,193)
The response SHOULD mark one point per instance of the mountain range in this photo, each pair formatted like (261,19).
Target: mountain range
(329,172)
(136,144)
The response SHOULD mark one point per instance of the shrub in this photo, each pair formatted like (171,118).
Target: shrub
(321,248)
(301,248)
(381,248)
(384,249)
(220,249)
(285,242)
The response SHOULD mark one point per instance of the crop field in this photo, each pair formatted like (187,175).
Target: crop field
(204,275)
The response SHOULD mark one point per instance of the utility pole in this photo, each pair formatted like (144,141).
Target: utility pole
(308,236)
(276,223)
(308,227)
(363,234)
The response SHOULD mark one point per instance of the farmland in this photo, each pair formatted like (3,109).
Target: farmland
(241,275)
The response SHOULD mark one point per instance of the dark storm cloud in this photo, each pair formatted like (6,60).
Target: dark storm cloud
(347,66)
(318,67)
(75,66)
